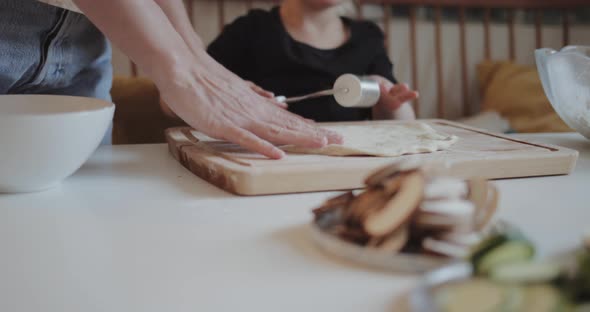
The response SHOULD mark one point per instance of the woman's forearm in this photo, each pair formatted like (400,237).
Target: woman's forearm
(141,30)
(177,14)
(200,91)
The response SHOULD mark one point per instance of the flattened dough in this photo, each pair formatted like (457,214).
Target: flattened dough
(385,140)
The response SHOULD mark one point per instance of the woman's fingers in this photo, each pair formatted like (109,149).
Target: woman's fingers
(221,105)
(251,142)
(260,91)
(282,136)
(303,125)
(265,123)
(309,125)
(282,105)
(283,127)
(266,94)
(333,137)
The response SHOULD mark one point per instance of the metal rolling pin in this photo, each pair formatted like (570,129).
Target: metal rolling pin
(349,91)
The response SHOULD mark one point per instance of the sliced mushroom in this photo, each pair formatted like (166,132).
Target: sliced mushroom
(340,200)
(462,239)
(445,248)
(442,223)
(478,193)
(399,209)
(445,188)
(409,208)
(365,203)
(334,203)
(484,215)
(452,208)
(485,197)
(350,234)
(392,243)
(378,177)
(393,184)
(375,179)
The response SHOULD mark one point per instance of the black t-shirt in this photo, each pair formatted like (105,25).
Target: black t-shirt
(258,48)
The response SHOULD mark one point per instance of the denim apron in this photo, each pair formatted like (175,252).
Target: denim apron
(49,50)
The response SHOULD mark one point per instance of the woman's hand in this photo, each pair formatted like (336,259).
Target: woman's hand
(394,100)
(199,90)
(266,94)
(218,103)
(260,91)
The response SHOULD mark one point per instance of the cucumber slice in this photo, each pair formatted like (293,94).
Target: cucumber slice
(485,246)
(482,295)
(471,296)
(579,285)
(544,298)
(525,272)
(514,299)
(499,235)
(508,252)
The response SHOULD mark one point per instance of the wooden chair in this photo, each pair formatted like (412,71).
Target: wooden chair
(149,120)
(138,118)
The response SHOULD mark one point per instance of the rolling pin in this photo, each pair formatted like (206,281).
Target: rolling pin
(348,91)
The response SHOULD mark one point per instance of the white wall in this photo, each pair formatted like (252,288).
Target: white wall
(206,23)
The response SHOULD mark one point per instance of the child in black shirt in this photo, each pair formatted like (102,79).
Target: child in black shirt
(304,46)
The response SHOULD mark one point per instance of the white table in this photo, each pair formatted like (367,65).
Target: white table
(134,231)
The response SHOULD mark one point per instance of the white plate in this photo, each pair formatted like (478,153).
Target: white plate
(400,262)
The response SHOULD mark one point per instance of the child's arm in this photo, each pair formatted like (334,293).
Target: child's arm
(394,97)
(394,101)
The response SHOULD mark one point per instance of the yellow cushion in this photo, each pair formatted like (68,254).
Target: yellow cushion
(515,91)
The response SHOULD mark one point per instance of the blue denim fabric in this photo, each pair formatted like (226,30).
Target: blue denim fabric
(48,50)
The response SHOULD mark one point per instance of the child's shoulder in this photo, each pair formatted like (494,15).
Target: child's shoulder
(256,16)
(259,13)
(365,28)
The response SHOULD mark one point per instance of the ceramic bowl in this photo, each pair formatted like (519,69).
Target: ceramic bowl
(46,138)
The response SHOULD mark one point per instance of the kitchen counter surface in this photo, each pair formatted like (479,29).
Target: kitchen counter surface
(133,230)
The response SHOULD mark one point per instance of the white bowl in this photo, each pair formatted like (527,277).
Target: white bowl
(46,138)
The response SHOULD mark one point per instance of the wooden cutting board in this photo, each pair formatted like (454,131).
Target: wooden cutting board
(477,153)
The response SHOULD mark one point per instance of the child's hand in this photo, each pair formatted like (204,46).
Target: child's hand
(393,103)
(394,96)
